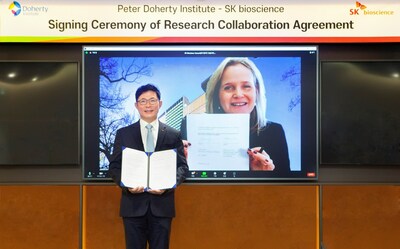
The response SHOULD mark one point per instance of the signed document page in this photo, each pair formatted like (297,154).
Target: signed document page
(162,173)
(218,141)
(155,170)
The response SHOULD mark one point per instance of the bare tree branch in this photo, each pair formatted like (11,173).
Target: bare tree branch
(113,73)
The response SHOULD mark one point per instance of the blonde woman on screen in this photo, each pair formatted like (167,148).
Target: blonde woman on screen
(237,86)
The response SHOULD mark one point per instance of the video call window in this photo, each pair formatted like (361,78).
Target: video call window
(225,100)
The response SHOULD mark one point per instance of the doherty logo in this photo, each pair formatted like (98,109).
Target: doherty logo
(15,8)
(27,10)
(359,6)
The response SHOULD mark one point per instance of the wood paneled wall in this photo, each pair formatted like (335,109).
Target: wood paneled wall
(208,216)
(45,217)
(223,216)
(361,217)
(102,226)
(230,217)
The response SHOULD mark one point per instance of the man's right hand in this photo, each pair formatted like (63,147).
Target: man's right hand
(136,190)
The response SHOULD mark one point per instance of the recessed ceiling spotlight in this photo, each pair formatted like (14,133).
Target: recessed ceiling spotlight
(12,75)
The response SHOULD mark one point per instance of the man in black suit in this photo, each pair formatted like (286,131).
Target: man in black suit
(147,215)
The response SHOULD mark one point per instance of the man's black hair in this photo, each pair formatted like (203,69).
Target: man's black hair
(145,88)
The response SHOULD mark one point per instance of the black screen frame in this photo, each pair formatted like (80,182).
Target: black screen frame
(356,156)
(72,123)
(309,120)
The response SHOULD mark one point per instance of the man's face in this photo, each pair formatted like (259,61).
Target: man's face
(148,106)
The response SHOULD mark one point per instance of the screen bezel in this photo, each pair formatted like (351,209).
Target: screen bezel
(322,83)
(77,85)
(309,98)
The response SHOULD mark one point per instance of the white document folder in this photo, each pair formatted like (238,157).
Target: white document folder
(156,170)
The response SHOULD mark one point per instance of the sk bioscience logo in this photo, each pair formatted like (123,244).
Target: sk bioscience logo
(362,9)
(15,8)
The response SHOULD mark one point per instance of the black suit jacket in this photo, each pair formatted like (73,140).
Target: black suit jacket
(134,205)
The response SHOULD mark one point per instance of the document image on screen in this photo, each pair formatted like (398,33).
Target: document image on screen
(218,141)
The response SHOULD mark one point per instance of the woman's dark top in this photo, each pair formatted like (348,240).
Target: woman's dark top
(272,138)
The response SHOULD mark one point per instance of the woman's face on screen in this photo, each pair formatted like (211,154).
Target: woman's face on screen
(237,93)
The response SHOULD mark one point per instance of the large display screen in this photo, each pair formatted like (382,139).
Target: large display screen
(360,112)
(40,110)
(247,112)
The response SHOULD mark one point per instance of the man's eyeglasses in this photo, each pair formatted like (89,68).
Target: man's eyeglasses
(145,101)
